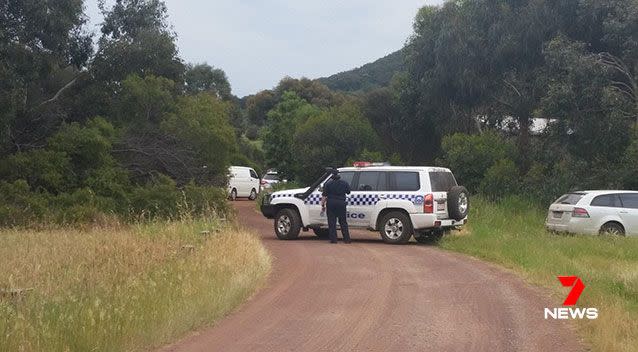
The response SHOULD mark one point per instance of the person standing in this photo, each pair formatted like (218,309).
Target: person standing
(334,195)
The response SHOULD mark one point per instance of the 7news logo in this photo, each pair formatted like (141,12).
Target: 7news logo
(572,298)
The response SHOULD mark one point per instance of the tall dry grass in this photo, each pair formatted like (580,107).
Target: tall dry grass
(127,287)
(512,233)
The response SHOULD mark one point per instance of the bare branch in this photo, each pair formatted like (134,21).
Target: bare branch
(59,92)
(510,85)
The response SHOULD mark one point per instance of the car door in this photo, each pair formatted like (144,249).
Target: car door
(362,203)
(233,179)
(244,182)
(254,181)
(604,208)
(313,202)
(629,212)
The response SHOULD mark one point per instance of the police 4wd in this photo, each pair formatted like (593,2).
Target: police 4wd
(398,201)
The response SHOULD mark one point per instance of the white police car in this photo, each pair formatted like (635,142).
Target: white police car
(397,201)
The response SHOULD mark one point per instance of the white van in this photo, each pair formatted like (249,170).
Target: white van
(242,182)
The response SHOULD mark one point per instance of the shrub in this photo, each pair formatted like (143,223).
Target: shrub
(470,156)
(41,169)
(330,138)
(18,205)
(203,200)
(500,179)
(158,199)
(630,161)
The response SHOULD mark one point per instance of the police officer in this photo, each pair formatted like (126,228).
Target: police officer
(334,193)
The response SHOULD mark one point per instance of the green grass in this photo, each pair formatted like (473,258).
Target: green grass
(511,233)
(123,288)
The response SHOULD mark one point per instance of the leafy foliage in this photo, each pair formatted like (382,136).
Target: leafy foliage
(471,156)
(329,139)
(204,78)
(129,131)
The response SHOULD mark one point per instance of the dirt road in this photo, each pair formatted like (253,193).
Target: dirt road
(369,296)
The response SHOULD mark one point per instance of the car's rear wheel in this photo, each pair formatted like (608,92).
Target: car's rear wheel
(321,233)
(233,195)
(396,228)
(253,194)
(287,224)
(612,229)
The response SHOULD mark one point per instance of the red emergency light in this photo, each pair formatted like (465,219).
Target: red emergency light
(367,163)
(361,163)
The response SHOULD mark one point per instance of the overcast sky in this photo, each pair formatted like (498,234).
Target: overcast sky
(259,42)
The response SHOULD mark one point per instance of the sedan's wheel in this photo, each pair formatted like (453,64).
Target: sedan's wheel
(287,224)
(612,229)
(233,195)
(396,227)
(253,194)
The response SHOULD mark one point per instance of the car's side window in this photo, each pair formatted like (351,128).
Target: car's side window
(253,174)
(368,181)
(629,200)
(607,200)
(347,176)
(404,181)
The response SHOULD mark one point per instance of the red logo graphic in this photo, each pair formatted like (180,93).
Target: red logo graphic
(577,288)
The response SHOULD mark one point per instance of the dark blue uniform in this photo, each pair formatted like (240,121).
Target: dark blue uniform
(335,191)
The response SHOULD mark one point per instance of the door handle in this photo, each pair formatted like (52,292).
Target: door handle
(383,197)
(624,212)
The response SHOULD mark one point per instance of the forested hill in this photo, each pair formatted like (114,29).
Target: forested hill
(367,77)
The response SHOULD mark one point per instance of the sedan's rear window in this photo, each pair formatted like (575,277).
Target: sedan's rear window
(570,198)
(271,177)
(442,181)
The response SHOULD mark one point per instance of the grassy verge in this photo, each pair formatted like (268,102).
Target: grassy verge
(511,233)
(122,288)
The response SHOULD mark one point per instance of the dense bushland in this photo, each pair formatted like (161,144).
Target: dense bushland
(517,97)
(127,130)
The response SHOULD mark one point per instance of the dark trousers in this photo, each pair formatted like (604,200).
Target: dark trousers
(336,209)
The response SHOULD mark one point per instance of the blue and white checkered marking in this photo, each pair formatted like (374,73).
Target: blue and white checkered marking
(362,199)
(313,199)
(358,199)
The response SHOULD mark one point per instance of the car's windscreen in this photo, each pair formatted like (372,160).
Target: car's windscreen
(570,198)
(442,181)
(271,177)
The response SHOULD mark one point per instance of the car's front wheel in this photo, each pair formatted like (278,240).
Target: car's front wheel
(287,224)
(396,228)
(253,194)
